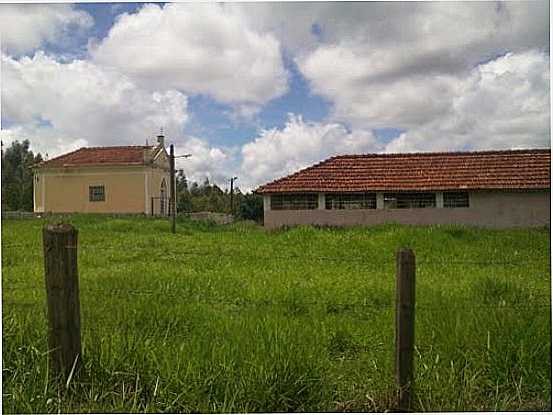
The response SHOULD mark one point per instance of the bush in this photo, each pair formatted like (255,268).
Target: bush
(251,207)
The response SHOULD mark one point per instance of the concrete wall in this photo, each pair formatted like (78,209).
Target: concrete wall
(67,190)
(487,209)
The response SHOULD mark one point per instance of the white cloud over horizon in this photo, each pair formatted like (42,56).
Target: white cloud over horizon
(206,161)
(279,152)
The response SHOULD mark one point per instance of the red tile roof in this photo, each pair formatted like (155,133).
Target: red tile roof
(511,169)
(94,156)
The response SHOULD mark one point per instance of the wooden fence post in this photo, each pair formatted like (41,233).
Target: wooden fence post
(62,291)
(405,326)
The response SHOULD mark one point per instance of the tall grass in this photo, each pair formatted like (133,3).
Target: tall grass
(237,319)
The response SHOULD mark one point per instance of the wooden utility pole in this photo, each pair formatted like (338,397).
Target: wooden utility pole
(62,293)
(173,190)
(405,326)
(232,179)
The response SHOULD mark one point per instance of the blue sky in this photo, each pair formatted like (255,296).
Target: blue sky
(260,90)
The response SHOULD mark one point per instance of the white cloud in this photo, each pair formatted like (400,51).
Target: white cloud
(400,65)
(504,103)
(197,48)
(26,27)
(82,101)
(465,32)
(206,161)
(279,152)
(340,74)
(43,139)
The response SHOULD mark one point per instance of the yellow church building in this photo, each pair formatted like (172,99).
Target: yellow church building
(122,179)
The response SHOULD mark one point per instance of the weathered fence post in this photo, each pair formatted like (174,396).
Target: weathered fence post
(62,291)
(405,326)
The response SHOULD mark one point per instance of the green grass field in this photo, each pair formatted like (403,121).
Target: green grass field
(237,319)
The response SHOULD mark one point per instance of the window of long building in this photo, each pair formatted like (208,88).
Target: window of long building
(299,201)
(456,199)
(350,201)
(409,200)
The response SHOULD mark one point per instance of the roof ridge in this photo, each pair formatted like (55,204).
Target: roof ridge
(442,153)
(113,147)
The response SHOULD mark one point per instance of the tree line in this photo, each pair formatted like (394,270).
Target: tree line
(17,188)
(208,197)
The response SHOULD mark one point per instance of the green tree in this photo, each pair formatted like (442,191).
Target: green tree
(194,197)
(184,198)
(251,207)
(17,176)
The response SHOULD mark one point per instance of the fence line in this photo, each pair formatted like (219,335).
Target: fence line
(266,303)
(173,256)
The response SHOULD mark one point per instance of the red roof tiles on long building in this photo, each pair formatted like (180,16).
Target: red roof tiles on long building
(94,156)
(485,170)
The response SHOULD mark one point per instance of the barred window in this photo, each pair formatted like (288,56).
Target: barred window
(456,199)
(96,194)
(409,200)
(298,201)
(350,201)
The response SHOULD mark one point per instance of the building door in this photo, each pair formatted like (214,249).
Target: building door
(162,198)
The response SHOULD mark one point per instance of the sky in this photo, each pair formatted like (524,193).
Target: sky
(260,90)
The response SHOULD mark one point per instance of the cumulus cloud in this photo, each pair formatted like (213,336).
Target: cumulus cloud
(465,31)
(206,161)
(26,27)
(279,152)
(82,101)
(44,139)
(402,65)
(197,48)
(504,103)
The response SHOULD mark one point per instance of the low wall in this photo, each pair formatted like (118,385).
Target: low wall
(218,218)
(487,209)
(20,215)
(29,215)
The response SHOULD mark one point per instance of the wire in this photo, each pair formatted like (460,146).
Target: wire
(218,254)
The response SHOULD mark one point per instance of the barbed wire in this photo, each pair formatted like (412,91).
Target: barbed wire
(191,297)
(161,291)
(336,307)
(216,253)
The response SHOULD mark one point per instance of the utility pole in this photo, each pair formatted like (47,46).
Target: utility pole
(232,179)
(173,204)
